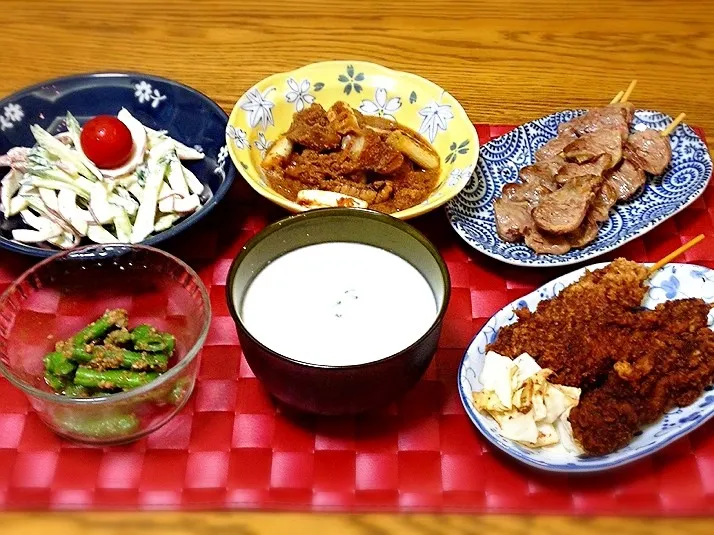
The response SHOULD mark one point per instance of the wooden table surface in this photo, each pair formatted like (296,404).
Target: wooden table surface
(507,61)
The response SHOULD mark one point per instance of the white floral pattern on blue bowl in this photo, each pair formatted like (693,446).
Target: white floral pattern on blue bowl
(471,212)
(674,281)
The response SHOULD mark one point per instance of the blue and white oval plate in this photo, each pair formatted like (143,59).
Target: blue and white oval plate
(674,281)
(471,212)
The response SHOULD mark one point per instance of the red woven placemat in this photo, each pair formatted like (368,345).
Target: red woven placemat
(231,449)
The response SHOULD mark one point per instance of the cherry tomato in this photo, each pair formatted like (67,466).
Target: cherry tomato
(106,141)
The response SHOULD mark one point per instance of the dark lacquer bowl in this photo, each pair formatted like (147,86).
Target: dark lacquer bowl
(332,387)
(187,115)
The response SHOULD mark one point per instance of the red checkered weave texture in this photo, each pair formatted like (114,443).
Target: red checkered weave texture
(230,448)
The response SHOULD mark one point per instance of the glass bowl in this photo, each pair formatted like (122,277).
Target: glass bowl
(60,295)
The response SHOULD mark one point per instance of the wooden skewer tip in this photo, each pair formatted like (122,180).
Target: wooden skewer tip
(617,98)
(674,254)
(630,89)
(674,124)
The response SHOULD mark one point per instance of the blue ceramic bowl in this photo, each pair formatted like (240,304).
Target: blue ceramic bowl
(161,104)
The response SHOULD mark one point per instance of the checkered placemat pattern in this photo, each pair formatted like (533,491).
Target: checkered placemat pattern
(231,448)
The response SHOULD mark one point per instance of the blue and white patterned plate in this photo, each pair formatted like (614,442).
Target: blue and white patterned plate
(471,212)
(674,281)
(188,116)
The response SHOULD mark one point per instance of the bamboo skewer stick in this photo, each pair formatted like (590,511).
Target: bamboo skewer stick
(674,124)
(674,254)
(628,92)
(622,98)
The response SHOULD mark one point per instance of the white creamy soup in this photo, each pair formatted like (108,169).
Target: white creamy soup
(338,304)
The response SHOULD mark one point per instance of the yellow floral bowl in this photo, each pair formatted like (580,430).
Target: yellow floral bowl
(266,110)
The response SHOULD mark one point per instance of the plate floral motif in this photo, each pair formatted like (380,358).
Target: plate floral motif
(239,137)
(351,80)
(674,281)
(471,212)
(144,92)
(435,119)
(380,106)
(259,108)
(12,113)
(221,162)
(262,144)
(299,93)
(265,112)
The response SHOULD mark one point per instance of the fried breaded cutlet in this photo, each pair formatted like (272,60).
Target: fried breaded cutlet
(667,363)
(633,364)
(561,334)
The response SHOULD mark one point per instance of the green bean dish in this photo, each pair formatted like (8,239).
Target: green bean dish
(106,357)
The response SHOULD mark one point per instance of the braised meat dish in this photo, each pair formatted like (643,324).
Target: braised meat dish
(632,364)
(369,161)
(567,193)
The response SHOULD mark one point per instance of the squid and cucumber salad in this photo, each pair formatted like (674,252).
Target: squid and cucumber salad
(112,180)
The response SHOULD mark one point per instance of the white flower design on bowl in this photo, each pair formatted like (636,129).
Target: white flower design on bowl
(299,93)
(259,108)
(262,144)
(221,162)
(12,113)
(142,91)
(435,117)
(145,93)
(380,106)
(239,137)
(459,175)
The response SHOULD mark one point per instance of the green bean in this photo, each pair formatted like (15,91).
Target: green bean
(147,338)
(80,355)
(178,392)
(55,383)
(58,364)
(170,343)
(105,427)
(75,391)
(111,379)
(119,337)
(100,327)
(108,357)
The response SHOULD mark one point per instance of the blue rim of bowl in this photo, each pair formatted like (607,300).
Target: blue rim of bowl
(187,223)
(172,372)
